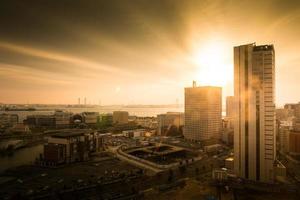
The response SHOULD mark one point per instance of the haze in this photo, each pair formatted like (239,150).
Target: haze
(138,52)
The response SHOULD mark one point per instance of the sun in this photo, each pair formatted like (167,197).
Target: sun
(213,67)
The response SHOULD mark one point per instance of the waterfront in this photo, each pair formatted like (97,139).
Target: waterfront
(141,111)
(23,156)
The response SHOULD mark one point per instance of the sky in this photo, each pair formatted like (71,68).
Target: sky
(138,51)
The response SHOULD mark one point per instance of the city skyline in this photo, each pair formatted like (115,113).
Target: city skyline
(138,47)
(149,99)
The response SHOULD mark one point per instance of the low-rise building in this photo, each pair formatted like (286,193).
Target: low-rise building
(72,145)
(229,163)
(294,142)
(227,136)
(146,122)
(166,121)
(135,133)
(62,119)
(20,129)
(55,154)
(283,135)
(280,171)
(90,118)
(105,120)
(40,121)
(8,120)
(289,141)
(212,149)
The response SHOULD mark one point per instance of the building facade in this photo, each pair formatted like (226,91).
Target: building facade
(296,119)
(8,120)
(40,121)
(120,117)
(165,121)
(90,118)
(62,119)
(230,114)
(105,120)
(146,122)
(254,131)
(294,143)
(72,145)
(202,113)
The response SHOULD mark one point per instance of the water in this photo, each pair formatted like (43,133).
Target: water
(141,111)
(29,154)
(23,156)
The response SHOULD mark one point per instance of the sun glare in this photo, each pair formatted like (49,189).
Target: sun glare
(213,68)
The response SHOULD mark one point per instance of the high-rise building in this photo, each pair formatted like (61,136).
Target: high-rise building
(296,120)
(230,106)
(230,111)
(120,117)
(202,113)
(254,131)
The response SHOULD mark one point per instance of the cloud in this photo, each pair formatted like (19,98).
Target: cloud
(89,65)
(95,45)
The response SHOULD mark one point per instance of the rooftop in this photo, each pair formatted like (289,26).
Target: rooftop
(71,133)
(263,48)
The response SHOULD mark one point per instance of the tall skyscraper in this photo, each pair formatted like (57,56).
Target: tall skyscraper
(202,112)
(230,114)
(230,106)
(254,131)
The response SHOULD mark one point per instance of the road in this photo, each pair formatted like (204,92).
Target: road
(115,150)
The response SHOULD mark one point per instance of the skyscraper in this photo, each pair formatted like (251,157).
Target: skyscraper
(202,112)
(254,131)
(230,106)
(230,114)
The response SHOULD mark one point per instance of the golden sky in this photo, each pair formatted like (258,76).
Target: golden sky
(137,51)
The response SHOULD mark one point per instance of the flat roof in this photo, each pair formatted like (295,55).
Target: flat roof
(205,87)
(263,48)
(71,133)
